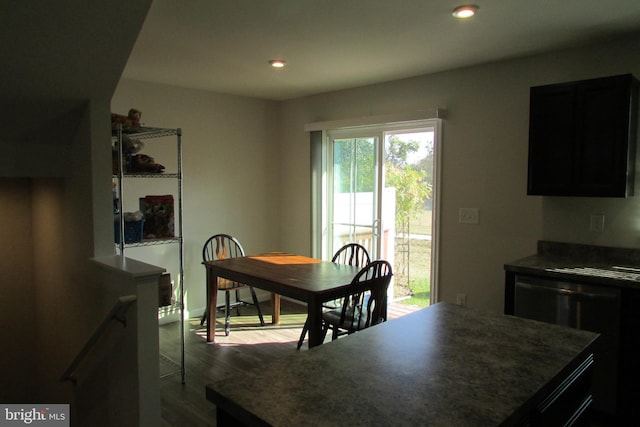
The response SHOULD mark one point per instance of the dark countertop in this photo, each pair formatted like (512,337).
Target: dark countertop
(586,263)
(441,366)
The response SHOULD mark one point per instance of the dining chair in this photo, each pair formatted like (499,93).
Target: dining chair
(224,246)
(351,254)
(366,303)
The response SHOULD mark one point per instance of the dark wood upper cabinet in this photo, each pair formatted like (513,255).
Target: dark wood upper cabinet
(582,138)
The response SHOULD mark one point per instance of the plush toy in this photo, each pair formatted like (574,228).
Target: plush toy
(129,147)
(130,120)
(144,163)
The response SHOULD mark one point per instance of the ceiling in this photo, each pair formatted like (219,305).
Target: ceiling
(58,55)
(225,45)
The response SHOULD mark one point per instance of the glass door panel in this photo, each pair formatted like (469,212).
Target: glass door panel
(409,170)
(354,199)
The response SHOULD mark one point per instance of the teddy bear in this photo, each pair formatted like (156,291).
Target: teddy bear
(132,119)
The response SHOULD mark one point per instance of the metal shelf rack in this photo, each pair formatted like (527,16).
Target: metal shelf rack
(121,176)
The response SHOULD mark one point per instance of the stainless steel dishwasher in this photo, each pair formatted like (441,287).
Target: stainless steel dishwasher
(589,307)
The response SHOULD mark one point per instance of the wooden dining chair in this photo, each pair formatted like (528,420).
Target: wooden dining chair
(223,246)
(366,304)
(351,254)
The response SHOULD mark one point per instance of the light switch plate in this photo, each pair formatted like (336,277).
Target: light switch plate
(468,216)
(597,223)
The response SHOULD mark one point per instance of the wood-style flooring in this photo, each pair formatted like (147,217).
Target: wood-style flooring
(248,346)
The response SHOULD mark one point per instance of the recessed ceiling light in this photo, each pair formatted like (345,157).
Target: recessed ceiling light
(467,11)
(277,63)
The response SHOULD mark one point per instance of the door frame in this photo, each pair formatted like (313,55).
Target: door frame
(319,163)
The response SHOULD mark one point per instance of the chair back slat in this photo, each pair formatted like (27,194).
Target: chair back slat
(219,247)
(352,254)
(366,304)
(223,246)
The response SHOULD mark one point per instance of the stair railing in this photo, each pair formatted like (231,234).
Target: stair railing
(117,313)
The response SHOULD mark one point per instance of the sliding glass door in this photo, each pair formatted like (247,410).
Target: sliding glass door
(378,190)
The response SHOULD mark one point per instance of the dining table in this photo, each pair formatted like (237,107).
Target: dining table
(309,280)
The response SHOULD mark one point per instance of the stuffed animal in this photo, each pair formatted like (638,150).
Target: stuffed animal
(130,120)
(129,147)
(144,163)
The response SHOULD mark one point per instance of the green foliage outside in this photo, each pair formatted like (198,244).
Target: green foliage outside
(354,161)
(412,191)
(354,169)
(412,181)
(421,289)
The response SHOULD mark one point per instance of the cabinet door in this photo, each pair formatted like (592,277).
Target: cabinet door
(629,390)
(603,129)
(582,138)
(552,139)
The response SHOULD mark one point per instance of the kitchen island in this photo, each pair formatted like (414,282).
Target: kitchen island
(441,366)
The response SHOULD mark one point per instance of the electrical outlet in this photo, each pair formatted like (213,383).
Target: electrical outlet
(597,223)
(461,300)
(468,215)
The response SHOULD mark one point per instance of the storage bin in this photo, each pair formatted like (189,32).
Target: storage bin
(132,231)
(165,290)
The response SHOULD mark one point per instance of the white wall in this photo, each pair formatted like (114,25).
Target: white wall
(230,168)
(484,164)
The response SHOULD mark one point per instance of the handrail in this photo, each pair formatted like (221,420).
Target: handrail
(116,313)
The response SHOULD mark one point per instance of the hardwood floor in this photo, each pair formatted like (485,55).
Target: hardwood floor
(248,346)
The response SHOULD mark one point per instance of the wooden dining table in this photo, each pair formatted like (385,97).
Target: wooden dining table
(305,279)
